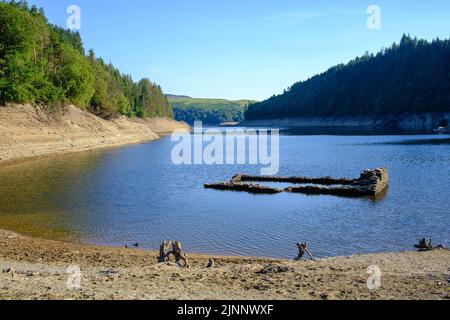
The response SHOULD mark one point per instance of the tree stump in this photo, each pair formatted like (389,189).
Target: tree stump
(424,246)
(302,249)
(163,250)
(176,251)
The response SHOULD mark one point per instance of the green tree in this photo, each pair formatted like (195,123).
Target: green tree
(412,76)
(45,64)
(76,77)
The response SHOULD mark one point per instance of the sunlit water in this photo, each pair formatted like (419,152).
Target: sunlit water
(135,194)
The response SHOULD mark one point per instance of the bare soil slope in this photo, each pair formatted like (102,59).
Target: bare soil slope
(27,131)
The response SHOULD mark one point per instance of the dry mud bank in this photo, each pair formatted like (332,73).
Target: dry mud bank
(27,131)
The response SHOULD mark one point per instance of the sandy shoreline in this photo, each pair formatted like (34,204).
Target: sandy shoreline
(30,132)
(119,273)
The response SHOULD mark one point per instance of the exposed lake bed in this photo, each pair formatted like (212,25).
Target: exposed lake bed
(38,269)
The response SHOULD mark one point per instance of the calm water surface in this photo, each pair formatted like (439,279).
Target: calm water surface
(136,194)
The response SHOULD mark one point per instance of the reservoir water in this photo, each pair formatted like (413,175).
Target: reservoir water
(136,194)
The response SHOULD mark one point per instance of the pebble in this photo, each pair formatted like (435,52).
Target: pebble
(12,271)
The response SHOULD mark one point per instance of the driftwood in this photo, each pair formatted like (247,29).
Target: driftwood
(424,246)
(168,248)
(302,249)
(370,183)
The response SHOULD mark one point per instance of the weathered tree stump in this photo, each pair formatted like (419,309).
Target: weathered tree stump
(302,249)
(424,246)
(176,251)
(163,250)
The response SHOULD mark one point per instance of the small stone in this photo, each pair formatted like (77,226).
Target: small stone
(12,271)
(210,264)
(324,296)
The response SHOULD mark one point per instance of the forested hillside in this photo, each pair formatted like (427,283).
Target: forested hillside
(413,76)
(44,64)
(212,111)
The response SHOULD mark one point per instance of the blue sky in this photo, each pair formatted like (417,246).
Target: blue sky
(249,49)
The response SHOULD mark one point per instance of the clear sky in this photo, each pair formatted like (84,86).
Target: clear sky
(249,49)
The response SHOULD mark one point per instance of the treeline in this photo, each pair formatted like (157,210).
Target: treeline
(44,64)
(412,76)
(190,115)
(211,111)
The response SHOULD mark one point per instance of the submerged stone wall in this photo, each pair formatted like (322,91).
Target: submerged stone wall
(371,182)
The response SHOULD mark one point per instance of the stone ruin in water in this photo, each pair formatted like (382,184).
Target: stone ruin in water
(371,182)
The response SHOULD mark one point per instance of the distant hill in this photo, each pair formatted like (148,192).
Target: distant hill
(211,111)
(410,77)
(174,96)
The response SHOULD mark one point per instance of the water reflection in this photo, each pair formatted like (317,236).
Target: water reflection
(437,141)
(35,194)
(351,131)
